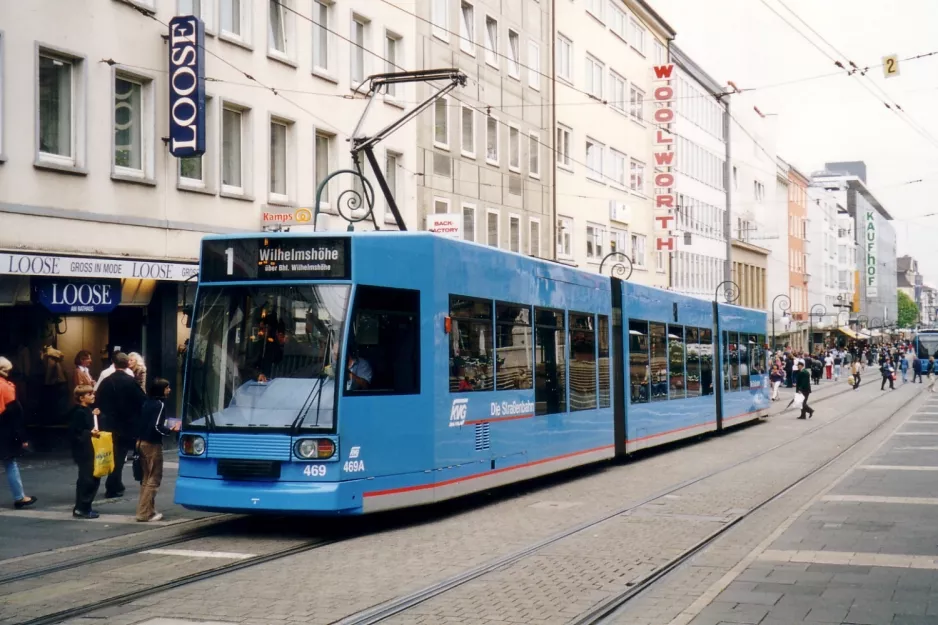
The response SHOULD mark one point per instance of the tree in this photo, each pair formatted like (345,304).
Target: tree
(908,311)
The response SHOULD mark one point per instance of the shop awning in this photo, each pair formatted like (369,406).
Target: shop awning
(850,332)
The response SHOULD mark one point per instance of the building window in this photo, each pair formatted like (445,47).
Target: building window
(595,7)
(491,140)
(636,35)
(514,149)
(637,176)
(232,149)
(133,126)
(617,167)
(279,159)
(322,42)
(323,164)
(564,237)
(594,77)
(357,52)
(491,227)
(468,132)
(660,262)
(534,65)
(467,28)
(468,222)
(236,19)
(534,238)
(617,93)
(594,160)
(514,233)
(563,146)
(280,27)
(514,54)
(564,58)
(661,53)
(594,241)
(534,155)
(199,8)
(441,123)
(618,21)
(392,162)
(636,103)
(392,52)
(638,250)
(439,17)
(618,241)
(59,105)
(440,206)
(491,41)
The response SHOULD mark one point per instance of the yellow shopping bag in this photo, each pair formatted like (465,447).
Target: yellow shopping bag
(103,454)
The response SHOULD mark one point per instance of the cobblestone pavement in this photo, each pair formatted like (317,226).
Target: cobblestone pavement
(558,582)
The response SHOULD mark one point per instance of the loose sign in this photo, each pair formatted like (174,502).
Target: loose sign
(186,86)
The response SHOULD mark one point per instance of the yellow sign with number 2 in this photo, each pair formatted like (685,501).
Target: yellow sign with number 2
(891,65)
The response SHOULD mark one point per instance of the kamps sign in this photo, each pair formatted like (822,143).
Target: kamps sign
(186,86)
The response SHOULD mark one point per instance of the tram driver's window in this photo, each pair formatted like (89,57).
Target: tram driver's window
(385,334)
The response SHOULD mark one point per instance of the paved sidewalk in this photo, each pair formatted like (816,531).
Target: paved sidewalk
(863,552)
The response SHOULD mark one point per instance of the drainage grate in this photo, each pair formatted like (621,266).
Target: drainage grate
(483,440)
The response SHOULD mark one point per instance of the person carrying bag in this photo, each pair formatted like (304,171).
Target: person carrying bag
(83,430)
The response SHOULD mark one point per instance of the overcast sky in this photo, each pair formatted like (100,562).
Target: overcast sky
(835,118)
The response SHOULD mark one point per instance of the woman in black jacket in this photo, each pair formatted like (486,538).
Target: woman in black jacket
(152,428)
(82,427)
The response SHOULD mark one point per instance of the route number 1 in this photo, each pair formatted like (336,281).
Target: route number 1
(229,254)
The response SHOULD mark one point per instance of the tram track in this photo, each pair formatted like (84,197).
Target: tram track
(599,613)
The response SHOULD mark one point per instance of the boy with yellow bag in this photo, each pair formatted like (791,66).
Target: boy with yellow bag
(92,450)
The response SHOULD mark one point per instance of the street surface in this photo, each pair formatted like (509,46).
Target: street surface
(851,541)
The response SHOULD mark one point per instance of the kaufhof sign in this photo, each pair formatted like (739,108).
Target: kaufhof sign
(664,195)
(84,267)
(186,86)
(445,225)
(869,236)
(271,218)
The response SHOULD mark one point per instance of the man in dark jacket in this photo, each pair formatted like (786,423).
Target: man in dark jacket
(789,369)
(120,399)
(803,386)
(82,428)
(917,370)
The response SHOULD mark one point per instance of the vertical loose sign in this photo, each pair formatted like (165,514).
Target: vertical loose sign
(664,160)
(186,86)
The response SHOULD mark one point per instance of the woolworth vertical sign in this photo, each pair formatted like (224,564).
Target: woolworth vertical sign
(664,160)
(186,86)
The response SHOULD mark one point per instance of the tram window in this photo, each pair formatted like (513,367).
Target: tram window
(733,349)
(638,361)
(676,384)
(385,333)
(706,361)
(550,379)
(744,352)
(604,392)
(470,345)
(726,360)
(513,352)
(659,361)
(582,362)
(692,340)
(759,356)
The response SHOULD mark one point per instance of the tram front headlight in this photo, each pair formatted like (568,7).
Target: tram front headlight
(314,449)
(192,445)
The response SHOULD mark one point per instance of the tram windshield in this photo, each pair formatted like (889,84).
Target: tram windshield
(264,356)
(927,344)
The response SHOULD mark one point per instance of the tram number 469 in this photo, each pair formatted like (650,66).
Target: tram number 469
(354,466)
(314,470)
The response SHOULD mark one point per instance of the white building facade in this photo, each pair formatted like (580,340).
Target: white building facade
(605,52)
(822,250)
(89,190)
(700,141)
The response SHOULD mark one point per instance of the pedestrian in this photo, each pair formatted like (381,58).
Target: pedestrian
(829,365)
(904,369)
(838,364)
(789,370)
(12,436)
(120,399)
(855,372)
(139,370)
(82,427)
(82,374)
(889,373)
(775,378)
(816,367)
(917,369)
(803,386)
(151,430)
(932,374)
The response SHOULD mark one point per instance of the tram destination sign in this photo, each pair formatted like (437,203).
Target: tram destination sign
(230,260)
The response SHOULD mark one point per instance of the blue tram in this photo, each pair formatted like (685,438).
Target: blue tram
(355,372)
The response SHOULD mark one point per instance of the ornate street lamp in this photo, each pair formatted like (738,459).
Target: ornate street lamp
(619,269)
(822,311)
(730,291)
(784,306)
